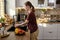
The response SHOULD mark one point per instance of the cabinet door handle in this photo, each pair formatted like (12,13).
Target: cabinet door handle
(50,32)
(51,23)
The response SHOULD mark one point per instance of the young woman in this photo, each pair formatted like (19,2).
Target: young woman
(30,21)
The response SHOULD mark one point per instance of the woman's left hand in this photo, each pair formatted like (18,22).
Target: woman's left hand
(16,25)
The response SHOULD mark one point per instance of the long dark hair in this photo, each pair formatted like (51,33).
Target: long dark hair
(28,3)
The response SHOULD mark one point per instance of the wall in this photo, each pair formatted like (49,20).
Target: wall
(10,7)
(20,3)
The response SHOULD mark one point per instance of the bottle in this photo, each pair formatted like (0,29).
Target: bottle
(2,31)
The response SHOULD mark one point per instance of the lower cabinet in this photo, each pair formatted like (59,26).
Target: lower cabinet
(40,35)
(58,32)
(49,31)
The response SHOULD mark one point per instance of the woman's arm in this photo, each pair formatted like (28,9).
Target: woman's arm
(26,21)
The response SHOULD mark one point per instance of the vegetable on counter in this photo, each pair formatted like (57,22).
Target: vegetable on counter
(19,31)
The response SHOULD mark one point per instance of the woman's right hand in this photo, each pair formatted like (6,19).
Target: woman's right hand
(16,25)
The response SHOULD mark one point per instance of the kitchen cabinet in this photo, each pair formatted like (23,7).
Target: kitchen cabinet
(47,3)
(20,3)
(12,35)
(41,3)
(37,3)
(52,3)
(48,31)
(57,3)
(58,32)
(40,27)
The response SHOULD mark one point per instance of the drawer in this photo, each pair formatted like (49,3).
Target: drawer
(49,37)
(47,31)
(50,30)
(58,30)
(40,35)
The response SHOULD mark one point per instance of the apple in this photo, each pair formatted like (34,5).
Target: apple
(16,31)
(21,31)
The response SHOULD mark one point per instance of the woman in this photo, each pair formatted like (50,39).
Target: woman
(30,21)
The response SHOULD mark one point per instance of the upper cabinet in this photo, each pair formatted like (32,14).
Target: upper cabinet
(41,3)
(20,3)
(38,3)
(47,3)
(58,3)
(52,3)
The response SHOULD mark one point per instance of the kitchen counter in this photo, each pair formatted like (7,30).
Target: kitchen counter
(12,36)
(47,22)
(50,22)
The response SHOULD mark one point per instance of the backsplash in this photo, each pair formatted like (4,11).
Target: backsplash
(39,12)
(50,12)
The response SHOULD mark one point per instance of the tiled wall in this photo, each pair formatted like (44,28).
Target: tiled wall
(1,7)
(50,12)
(38,12)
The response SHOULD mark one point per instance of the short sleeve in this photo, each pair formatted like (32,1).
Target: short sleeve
(28,17)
